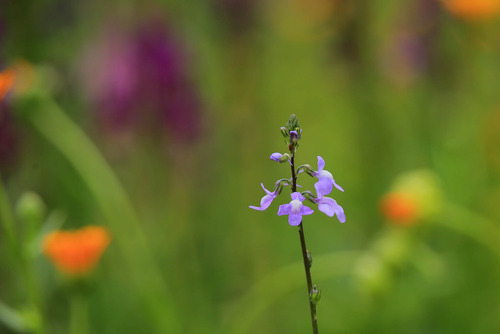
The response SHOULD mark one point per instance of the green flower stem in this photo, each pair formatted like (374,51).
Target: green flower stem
(246,310)
(473,225)
(45,116)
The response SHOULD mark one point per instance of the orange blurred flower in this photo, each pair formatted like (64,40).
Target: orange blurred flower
(400,208)
(76,252)
(473,9)
(7,78)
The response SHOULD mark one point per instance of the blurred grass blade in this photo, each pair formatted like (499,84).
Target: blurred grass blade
(472,225)
(45,116)
(12,318)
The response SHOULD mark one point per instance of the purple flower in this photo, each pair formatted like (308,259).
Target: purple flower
(325,182)
(330,207)
(165,82)
(278,157)
(266,200)
(295,136)
(295,209)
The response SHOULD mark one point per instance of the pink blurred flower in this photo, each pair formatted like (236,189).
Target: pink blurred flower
(140,79)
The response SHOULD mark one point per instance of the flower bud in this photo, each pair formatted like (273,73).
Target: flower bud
(276,157)
(315,294)
(299,132)
(294,131)
(294,137)
(305,168)
(278,185)
(293,123)
(284,132)
(30,207)
(309,196)
(30,211)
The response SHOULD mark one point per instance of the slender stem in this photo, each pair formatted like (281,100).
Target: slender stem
(307,265)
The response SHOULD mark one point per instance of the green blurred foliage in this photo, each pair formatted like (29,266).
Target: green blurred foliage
(380,89)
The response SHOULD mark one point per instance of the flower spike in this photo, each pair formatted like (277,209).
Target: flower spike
(295,209)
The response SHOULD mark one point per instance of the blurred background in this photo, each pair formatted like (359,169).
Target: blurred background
(155,120)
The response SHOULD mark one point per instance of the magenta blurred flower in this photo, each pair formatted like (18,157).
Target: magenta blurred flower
(164,80)
(141,79)
(266,201)
(295,209)
(325,183)
(110,77)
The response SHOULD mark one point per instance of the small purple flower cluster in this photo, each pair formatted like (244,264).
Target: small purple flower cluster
(296,209)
